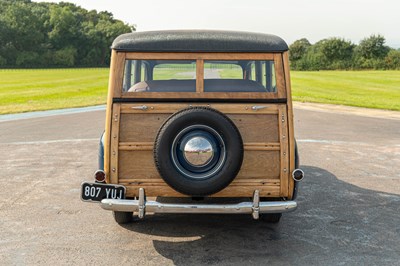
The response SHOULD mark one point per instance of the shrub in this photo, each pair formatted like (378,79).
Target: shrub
(392,60)
(27,59)
(65,57)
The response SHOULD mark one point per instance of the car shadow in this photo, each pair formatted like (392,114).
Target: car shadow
(336,222)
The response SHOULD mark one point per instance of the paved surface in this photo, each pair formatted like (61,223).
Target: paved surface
(349,203)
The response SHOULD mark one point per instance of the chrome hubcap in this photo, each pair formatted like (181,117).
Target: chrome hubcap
(198,151)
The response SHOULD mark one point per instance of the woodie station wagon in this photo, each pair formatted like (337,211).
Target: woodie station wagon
(202,122)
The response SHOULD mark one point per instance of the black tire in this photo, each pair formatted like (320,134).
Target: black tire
(215,174)
(272,218)
(123,217)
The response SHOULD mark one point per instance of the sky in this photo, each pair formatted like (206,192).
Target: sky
(290,19)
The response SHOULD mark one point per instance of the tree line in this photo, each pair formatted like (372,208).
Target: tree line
(55,35)
(65,35)
(338,53)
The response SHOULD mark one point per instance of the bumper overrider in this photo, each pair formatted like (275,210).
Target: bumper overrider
(141,206)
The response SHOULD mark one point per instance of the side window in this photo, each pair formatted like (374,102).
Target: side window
(269,77)
(263,72)
(135,72)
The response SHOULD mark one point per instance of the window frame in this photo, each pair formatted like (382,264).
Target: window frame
(200,58)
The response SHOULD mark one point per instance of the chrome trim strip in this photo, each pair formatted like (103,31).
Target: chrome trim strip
(140,107)
(257,107)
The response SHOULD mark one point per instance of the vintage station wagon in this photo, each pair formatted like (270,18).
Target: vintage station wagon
(202,121)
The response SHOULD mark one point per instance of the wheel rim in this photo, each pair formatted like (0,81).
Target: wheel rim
(198,152)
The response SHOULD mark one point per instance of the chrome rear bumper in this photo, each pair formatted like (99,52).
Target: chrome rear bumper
(141,206)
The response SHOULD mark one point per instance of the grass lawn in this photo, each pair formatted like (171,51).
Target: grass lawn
(372,89)
(230,73)
(33,90)
(170,73)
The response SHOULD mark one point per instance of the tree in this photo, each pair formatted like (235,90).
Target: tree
(373,47)
(20,33)
(298,49)
(48,34)
(314,59)
(393,59)
(336,49)
(101,34)
(337,52)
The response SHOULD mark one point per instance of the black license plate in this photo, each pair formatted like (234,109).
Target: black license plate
(97,191)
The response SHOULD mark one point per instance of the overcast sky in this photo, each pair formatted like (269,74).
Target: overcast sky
(290,19)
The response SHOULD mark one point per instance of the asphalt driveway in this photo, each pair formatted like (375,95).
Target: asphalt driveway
(349,202)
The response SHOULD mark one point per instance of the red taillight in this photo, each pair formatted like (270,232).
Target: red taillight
(100,176)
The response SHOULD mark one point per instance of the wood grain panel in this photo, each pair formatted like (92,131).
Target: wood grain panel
(137,165)
(201,95)
(148,146)
(164,108)
(199,76)
(284,151)
(280,76)
(257,128)
(260,164)
(115,79)
(140,127)
(204,56)
(115,122)
(143,127)
(236,182)
(230,191)
(290,123)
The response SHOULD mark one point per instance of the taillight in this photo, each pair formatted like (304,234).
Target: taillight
(298,175)
(100,176)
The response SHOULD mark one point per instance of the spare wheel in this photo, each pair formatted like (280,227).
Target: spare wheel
(198,151)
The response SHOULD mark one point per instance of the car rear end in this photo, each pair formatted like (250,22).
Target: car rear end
(199,125)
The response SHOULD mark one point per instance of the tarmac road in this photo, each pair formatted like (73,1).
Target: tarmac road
(349,202)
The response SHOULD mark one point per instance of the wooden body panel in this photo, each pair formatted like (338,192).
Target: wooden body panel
(260,131)
(290,123)
(139,164)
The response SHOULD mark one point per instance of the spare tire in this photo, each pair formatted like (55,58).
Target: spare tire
(198,151)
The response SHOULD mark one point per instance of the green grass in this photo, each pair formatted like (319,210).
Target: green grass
(33,90)
(230,73)
(371,89)
(171,73)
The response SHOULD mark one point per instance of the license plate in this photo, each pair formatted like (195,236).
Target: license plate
(97,191)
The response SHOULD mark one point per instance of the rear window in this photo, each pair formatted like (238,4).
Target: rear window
(180,76)
(239,76)
(159,76)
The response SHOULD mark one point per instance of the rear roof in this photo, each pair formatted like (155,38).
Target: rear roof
(198,41)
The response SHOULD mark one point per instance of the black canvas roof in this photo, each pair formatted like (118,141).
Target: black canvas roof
(198,41)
